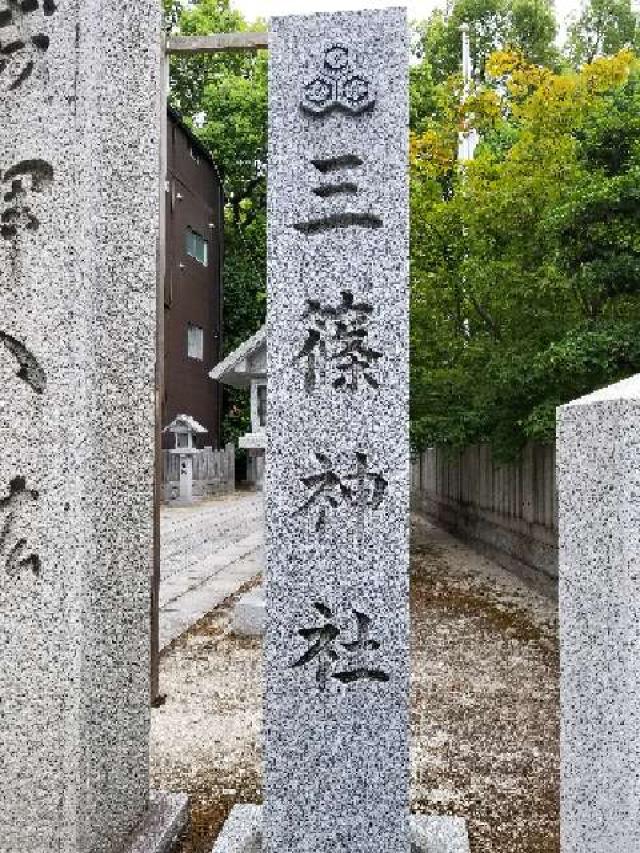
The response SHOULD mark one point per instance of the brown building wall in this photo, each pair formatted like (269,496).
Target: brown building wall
(193,291)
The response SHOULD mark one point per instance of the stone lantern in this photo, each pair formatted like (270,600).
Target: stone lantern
(185,428)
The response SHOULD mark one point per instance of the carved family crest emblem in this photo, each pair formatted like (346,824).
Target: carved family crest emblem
(338,86)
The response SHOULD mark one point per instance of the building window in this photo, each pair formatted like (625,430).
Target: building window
(195,342)
(262,404)
(197,247)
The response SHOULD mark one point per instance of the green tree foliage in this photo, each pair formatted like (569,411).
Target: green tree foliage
(525,25)
(603,28)
(525,263)
(526,273)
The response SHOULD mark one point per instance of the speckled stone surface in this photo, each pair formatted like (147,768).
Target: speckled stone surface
(249,614)
(598,453)
(337,669)
(242,833)
(162,825)
(79,178)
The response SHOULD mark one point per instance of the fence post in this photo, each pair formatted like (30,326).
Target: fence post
(230,451)
(527,484)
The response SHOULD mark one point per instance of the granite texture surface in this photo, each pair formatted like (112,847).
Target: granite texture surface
(598,467)
(337,469)
(79,201)
(162,825)
(242,833)
(249,614)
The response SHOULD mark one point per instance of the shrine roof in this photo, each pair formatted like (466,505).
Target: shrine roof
(246,362)
(184,421)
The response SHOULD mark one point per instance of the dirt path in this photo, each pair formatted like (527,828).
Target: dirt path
(484,706)
(485,698)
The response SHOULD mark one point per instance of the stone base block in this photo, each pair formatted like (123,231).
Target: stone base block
(249,614)
(242,833)
(162,825)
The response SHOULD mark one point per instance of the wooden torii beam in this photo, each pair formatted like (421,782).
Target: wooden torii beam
(217,43)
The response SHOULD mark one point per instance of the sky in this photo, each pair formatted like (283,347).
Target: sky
(417,8)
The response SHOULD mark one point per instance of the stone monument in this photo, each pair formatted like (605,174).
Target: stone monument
(598,462)
(337,472)
(79,202)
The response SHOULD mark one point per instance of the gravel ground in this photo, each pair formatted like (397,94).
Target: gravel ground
(484,706)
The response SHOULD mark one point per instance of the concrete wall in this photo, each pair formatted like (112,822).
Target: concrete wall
(507,511)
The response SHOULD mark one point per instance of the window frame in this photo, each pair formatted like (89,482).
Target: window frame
(192,327)
(193,240)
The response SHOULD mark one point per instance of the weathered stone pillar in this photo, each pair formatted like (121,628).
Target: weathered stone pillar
(79,201)
(337,459)
(598,466)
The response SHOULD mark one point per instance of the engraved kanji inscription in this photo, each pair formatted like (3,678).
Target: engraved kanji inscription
(338,86)
(29,369)
(370,486)
(332,185)
(337,344)
(322,648)
(329,489)
(17,186)
(347,662)
(22,40)
(15,511)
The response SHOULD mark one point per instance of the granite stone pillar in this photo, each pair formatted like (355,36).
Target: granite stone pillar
(598,467)
(79,201)
(337,458)
(337,465)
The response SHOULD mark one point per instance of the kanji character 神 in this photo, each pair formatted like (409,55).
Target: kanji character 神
(328,490)
(360,487)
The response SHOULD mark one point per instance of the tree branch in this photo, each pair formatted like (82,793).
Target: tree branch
(486,318)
